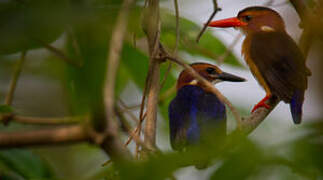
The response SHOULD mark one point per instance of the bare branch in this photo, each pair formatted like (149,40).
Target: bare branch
(48,121)
(252,122)
(134,136)
(14,80)
(215,10)
(229,49)
(112,144)
(8,101)
(60,54)
(177,26)
(151,26)
(307,35)
(69,134)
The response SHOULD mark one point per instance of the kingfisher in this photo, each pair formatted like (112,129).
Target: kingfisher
(273,57)
(195,110)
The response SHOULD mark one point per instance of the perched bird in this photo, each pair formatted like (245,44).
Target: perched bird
(273,57)
(195,110)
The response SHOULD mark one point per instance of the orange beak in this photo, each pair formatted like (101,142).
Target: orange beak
(229,22)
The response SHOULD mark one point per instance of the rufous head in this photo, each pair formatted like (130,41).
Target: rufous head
(210,72)
(253,19)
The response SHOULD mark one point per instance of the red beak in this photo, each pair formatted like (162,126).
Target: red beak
(229,22)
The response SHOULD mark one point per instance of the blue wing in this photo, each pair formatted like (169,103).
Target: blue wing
(191,113)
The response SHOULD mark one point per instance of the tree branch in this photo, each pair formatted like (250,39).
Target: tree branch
(48,121)
(69,134)
(15,77)
(306,22)
(112,144)
(8,101)
(58,53)
(215,10)
(151,26)
(251,122)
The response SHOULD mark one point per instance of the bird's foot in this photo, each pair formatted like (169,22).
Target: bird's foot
(262,103)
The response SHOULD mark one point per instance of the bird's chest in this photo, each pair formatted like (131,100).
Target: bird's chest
(246,52)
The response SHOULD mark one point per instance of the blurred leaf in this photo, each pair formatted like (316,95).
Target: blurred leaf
(307,149)
(240,164)
(209,46)
(24,24)
(25,163)
(5,109)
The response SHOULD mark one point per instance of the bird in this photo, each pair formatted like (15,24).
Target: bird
(195,110)
(272,55)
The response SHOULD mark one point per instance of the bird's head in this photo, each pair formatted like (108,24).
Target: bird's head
(253,19)
(209,72)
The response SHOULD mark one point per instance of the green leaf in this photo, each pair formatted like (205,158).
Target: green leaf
(209,46)
(5,109)
(25,164)
(28,24)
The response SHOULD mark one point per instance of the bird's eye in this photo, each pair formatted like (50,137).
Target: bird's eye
(247,18)
(210,70)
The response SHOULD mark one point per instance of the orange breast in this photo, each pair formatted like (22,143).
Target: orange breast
(253,68)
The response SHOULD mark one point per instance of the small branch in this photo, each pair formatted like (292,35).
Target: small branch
(69,134)
(8,101)
(15,77)
(215,10)
(48,121)
(150,126)
(137,130)
(207,84)
(306,22)
(151,26)
(177,26)
(126,110)
(251,122)
(58,53)
(132,134)
(229,49)
(112,144)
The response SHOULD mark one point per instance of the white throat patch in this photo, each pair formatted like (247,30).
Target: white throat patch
(193,82)
(267,29)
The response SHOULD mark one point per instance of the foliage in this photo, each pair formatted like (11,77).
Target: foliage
(82,30)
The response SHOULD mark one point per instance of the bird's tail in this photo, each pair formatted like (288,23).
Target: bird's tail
(296,105)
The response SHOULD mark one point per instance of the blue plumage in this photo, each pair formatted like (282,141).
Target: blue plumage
(193,113)
(296,105)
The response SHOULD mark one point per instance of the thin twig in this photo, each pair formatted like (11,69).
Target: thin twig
(138,128)
(229,49)
(128,129)
(58,53)
(15,77)
(52,136)
(169,68)
(48,121)
(306,17)
(177,26)
(125,110)
(215,10)
(113,144)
